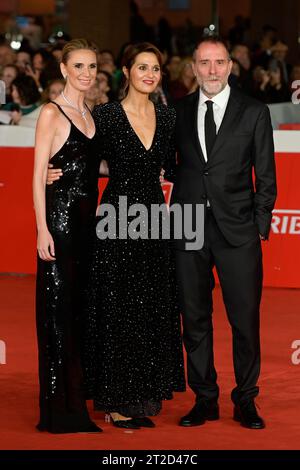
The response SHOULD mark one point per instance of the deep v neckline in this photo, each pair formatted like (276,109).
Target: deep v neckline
(83,133)
(74,125)
(135,133)
(78,129)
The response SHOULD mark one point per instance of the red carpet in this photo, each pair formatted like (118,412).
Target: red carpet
(279,399)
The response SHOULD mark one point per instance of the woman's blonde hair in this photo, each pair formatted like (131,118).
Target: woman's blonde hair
(75,45)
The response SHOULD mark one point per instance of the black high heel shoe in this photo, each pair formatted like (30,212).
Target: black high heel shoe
(143,422)
(122,423)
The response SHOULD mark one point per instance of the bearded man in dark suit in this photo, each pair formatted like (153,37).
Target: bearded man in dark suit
(222,138)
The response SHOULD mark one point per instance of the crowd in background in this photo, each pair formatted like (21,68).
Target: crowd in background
(32,75)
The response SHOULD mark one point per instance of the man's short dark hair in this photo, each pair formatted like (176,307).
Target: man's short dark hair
(211,40)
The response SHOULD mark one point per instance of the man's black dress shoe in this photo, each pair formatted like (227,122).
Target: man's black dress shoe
(202,411)
(247,415)
(143,422)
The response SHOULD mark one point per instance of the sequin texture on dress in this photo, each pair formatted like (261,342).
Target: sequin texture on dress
(70,211)
(133,348)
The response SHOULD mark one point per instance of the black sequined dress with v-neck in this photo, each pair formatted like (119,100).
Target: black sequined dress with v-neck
(133,348)
(70,212)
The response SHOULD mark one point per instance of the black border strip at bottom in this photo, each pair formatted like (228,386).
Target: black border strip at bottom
(134,458)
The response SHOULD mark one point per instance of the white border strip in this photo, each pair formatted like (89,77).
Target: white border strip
(12,136)
(16,136)
(287,141)
(285,211)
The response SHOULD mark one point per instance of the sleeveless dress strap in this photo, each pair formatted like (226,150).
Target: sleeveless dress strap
(87,107)
(62,111)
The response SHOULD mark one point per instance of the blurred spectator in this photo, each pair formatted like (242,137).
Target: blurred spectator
(277,90)
(101,91)
(105,85)
(173,67)
(279,52)
(121,53)
(25,97)
(186,81)
(45,68)
(236,68)
(39,60)
(263,52)
(106,61)
(53,90)
(260,78)
(243,78)
(7,56)
(32,31)
(23,60)
(57,53)
(159,96)
(92,95)
(9,73)
(234,77)
(295,74)
(241,53)
(269,85)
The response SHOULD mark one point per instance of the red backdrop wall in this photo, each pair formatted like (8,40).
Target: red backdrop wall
(18,236)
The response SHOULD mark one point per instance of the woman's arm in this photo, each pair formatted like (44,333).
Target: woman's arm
(45,132)
(54,174)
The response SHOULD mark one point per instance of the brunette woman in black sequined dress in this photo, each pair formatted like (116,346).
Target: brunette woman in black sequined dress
(65,213)
(133,356)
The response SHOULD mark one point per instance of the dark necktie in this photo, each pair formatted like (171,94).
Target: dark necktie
(210,128)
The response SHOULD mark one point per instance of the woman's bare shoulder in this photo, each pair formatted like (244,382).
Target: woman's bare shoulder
(50,111)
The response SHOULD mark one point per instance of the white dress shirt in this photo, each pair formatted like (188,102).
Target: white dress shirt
(219,107)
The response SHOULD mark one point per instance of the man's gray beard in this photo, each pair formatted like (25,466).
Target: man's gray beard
(207,92)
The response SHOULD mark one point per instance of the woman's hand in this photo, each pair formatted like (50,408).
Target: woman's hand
(45,245)
(35,74)
(53,174)
(265,78)
(15,117)
(161,177)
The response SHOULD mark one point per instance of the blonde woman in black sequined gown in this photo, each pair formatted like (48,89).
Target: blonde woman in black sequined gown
(133,356)
(65,213)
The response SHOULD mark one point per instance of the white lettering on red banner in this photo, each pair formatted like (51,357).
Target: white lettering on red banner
(296,354)
(286,221)
(2,352)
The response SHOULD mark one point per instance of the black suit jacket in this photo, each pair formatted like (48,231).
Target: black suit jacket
(243,147)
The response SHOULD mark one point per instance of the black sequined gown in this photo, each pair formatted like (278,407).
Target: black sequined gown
(133,356)
(70,211)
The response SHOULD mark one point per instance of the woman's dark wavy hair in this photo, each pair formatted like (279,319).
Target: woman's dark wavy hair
(27,89)
(129,58)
